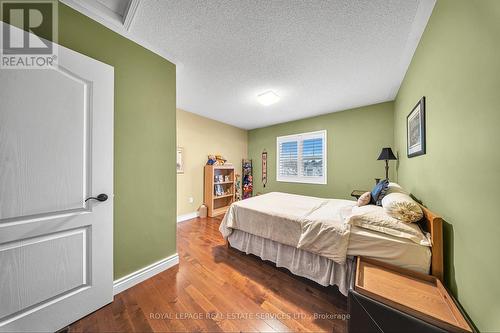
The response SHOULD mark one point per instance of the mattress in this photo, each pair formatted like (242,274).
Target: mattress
(273,227)
(393,250)
(308,223)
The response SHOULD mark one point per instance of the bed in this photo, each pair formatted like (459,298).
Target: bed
(308,236)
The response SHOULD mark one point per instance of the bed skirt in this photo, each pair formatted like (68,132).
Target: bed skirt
(324,271)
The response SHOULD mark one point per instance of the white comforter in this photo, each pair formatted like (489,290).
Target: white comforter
(312,224)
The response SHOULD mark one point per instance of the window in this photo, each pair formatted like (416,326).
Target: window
(301,158)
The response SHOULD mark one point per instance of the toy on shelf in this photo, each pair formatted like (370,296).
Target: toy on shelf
(211,160)
(219,190)
(217,160)
(247,179)
(220,160)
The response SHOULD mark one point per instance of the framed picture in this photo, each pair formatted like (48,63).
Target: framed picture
(180,160)
(415,130)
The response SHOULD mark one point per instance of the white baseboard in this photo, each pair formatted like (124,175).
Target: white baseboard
(144,273)
(186,217)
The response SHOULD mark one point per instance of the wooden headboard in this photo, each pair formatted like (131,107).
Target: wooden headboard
(433,224)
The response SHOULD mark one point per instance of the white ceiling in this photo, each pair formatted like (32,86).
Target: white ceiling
(318,56)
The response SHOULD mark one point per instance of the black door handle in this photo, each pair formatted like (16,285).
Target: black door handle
(101,197)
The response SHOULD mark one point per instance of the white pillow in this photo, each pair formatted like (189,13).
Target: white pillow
(402,207)
(375,218)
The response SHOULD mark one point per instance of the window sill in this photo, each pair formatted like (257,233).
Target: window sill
(303,181)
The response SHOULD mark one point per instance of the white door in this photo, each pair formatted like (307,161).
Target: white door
(56,150)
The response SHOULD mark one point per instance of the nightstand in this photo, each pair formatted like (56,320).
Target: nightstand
(357,193)
(387,298)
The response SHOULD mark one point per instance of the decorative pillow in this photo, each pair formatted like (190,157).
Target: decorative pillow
(379,191)
(395,188)
(364,199)
(375,218)
(402,207)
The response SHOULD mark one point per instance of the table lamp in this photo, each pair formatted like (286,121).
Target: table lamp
(386,154)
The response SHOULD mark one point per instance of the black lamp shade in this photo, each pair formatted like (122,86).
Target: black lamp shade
(386,154)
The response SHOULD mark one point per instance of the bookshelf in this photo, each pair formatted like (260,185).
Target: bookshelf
(219,193)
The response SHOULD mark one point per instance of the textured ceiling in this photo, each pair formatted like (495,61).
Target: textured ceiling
(318,56)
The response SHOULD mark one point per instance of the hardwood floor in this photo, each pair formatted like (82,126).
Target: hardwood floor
(217,289)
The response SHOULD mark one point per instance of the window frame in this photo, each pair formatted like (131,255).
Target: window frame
(300,137)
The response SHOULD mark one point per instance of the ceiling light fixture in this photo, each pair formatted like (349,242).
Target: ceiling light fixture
(267,98)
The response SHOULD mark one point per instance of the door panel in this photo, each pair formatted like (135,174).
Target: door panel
(42,268)
(36,163)
(56,149)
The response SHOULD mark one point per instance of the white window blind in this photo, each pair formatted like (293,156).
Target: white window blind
(301,158)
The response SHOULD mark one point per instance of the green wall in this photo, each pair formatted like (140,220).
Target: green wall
(144,134)
(354,140)
(457,68)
